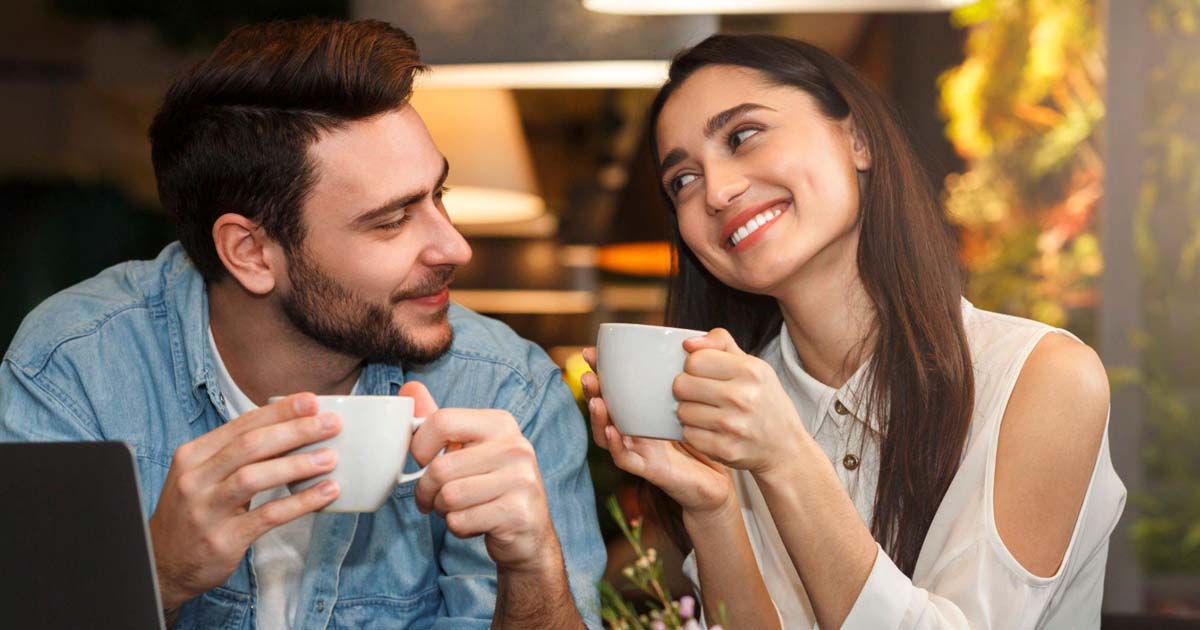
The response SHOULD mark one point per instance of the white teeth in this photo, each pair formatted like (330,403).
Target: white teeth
(753,224)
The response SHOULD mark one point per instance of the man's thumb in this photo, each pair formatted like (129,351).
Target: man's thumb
(423,403)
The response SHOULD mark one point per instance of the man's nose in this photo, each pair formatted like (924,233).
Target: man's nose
(447,246)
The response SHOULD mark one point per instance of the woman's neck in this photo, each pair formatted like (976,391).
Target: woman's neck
(830,319)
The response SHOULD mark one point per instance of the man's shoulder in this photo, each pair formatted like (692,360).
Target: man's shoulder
(481,339)
(121,300)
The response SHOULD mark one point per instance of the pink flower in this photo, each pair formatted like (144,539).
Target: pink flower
(692,624)
(687,606)
(658,625)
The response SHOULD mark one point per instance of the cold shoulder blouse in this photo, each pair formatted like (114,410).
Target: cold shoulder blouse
(965,577)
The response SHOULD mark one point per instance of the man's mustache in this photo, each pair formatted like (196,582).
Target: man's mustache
(439,278)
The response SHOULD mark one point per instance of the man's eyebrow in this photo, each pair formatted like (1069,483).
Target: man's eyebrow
(365,219)
(721,119)
(713,125)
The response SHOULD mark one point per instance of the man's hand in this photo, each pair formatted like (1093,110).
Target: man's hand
(202,525)
(490,486)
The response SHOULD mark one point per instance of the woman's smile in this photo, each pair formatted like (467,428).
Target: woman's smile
(746,227)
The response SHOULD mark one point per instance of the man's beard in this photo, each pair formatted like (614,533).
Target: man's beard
(340,320)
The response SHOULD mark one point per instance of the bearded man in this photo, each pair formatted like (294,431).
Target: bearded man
(315,257)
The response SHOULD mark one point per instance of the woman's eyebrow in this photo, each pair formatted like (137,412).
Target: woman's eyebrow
(721,119)
(674,157)
(714,124)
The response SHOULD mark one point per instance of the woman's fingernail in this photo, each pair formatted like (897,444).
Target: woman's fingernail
(322,457)
(327,487)
(328,421)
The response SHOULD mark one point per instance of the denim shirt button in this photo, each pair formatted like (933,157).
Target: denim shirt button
(320,605)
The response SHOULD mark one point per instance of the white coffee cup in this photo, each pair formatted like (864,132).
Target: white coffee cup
(637,365)
(371,450)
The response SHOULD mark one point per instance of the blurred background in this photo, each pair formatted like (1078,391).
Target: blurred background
(1061,133)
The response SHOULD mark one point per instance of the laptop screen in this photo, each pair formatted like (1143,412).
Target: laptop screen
(73,541)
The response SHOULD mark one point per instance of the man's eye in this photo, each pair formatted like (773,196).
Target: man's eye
(395,225)
(679,182)
(738,137)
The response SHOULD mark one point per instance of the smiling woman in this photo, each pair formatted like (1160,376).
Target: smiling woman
(886,455)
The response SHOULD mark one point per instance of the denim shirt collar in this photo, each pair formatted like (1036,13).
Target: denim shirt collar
(195,377)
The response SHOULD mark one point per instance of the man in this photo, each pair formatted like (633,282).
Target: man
(315,257)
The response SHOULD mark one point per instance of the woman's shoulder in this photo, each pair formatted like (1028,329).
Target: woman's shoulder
(1030,349)
(1068,371)
(1059,404)
(1038,378)
(989,332)
(1001,347)
(1048,446)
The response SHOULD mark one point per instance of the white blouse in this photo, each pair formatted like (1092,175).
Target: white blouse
(965,577)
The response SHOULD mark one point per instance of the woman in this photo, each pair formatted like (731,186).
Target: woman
(862,447)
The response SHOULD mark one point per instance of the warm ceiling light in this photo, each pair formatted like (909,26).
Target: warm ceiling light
(700,7)
(549,75)
(532,45)
(473,205)
(491,172)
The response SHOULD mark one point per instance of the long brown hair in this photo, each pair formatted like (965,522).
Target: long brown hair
(920,373)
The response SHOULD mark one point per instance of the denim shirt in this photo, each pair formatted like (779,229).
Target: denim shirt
(124,356)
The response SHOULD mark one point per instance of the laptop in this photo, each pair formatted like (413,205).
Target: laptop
(74,549)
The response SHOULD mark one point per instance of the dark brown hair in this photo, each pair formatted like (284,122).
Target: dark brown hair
(920,381)
(233,132)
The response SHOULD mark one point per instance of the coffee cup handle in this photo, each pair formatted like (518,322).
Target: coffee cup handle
(407,477)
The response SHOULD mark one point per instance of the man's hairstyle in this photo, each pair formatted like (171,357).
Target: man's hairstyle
(233,132)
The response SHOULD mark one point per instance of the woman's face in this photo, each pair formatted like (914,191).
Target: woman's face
(764,185)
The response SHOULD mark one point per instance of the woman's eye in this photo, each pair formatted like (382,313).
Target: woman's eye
(740,136)
(683,180)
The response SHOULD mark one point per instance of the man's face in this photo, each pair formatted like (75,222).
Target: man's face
(372,274)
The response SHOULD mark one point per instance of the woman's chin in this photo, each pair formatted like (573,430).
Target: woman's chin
(764,286)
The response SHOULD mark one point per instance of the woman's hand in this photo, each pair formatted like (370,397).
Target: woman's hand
(733,407)
(697,483)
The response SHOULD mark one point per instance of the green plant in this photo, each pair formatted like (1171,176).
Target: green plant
(1166,534)
(645,573)
(1024,110)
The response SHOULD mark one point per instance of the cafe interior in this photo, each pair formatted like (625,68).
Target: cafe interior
(1057,133)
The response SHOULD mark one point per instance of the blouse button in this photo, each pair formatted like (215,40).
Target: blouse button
(850,461)
(840,408)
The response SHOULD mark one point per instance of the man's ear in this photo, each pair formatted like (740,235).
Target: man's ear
(248,254)
(860,153)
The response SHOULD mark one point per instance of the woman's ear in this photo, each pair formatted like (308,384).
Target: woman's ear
(860,153)
(247,253)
